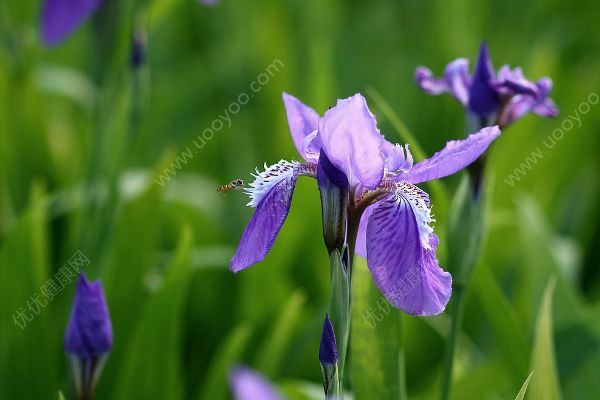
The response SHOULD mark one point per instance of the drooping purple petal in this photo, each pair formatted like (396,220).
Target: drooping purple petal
(456,155)
(455,80)
(428,83)
(539,103)
(328,347)
(89,331)
(404,269)
(352,142)
(250,385)
(271,194)
(483,98)
(60,18)
(303,122)
(512,82)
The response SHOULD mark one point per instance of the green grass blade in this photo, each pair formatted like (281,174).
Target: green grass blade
(545,384)
(521,394)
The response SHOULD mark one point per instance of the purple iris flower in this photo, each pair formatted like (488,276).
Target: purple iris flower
(394,232)
(250,385)
(88,337)
(505,96)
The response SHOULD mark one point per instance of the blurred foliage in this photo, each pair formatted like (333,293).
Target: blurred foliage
(84,137)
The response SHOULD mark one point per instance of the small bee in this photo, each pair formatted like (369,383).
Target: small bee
(233,185)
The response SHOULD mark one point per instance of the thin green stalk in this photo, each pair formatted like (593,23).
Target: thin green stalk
(456,314)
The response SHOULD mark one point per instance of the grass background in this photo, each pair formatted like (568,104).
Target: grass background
(83,136)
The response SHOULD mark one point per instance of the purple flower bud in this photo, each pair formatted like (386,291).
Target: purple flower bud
(328,350)
(88,337)
(89,332)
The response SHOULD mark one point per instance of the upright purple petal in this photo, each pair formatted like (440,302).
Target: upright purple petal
(405,268)
(250,385)
(456,155)
(397,157)
(60,18)
(271,194)
(352,142)
(303,121)
(89,331)
(483,98)
(210,3)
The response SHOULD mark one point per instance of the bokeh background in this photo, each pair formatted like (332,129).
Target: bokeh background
(85,138)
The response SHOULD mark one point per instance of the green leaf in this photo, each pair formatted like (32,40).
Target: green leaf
(339,307)
(215,385)
(151,368)
(521,394)
(545,384)
(377,361)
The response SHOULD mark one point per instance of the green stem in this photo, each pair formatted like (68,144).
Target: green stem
(456,314)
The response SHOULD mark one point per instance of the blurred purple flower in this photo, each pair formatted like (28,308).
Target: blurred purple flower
(250,385)
(395,231)
(88,337)
(60,18)
(507,96)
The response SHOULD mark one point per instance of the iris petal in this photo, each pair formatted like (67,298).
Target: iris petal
(303,121)
(455,80)
(397,157)
(456,155)
(483,96)
(271,194)
(352,142)
(456,75)
(406,271)
(60,18)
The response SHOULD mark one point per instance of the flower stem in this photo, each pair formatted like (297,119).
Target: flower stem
(456,314)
